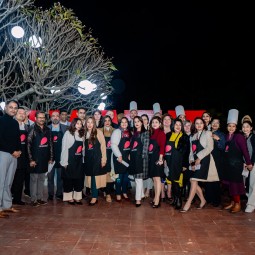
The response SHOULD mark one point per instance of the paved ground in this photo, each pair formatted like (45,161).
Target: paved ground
(121,228)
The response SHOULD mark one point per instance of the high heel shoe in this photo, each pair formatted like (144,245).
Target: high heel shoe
(183,210)
(138,205)
(91,204)
(71,202)
(151,202)
(156,206)
(201,207)
(78,202)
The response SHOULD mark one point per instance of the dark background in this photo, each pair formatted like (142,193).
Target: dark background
(197,54)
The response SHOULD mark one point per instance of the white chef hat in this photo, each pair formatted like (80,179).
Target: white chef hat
(179,109)
(132,106)
(156,108)
(233,116)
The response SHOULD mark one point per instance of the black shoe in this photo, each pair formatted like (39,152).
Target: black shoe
(78,202)
(71,202)
(41,202)
(50,197)
(18,203)
(35,204)
(27,195)
(163,199)
(138,205)
(60,197)
(156,206)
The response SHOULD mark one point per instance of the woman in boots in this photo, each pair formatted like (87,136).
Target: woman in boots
(236,151)
(175,149)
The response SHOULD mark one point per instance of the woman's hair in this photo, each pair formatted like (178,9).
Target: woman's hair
(93,134)
(193,128)
(167,115)
(159,120)
(106,117)
(142,127)
(182,125)
(72,127)
(248,122)
(128,127)
(97,110)
(146,116)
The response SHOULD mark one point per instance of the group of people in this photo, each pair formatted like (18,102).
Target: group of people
(170,156)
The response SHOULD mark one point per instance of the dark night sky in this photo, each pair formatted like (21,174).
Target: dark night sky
(191,53)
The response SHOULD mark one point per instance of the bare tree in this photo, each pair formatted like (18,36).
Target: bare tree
(51,64)
(10,15)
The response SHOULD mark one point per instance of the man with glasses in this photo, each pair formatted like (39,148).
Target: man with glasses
(10,151)
(40,154)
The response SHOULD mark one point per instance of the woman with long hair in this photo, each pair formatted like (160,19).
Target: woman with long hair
(120,142)
(139,157)
(71,161)
(95,159)
(201,162)
(156,154)
(107,130)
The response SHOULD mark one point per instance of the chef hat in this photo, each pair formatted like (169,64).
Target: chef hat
(132,106)
(179,109)
(233,116)
(156,108)
(245,118)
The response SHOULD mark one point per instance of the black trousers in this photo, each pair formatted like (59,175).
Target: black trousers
(213,192)
(17,184)
(70,185)
(27,183)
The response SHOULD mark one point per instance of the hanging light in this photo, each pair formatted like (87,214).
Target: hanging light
(85,87)
(17,32)
(101,106)
(35,41)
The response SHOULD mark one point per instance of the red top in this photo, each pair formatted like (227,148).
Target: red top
(160,137)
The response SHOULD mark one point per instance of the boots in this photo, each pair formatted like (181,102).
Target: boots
(227,207)
(236,208)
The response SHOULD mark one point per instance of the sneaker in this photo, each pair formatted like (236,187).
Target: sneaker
(249,209)
(35,204)
(41,202)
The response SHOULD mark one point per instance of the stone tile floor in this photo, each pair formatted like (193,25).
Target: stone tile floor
(121,228)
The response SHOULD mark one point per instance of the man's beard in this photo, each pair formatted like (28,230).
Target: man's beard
(55,122)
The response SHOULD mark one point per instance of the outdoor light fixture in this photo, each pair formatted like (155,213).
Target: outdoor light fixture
(17,32)
(54,91)
(103,96)
(101,106)
(85,87)
(2,105)
(35,41)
